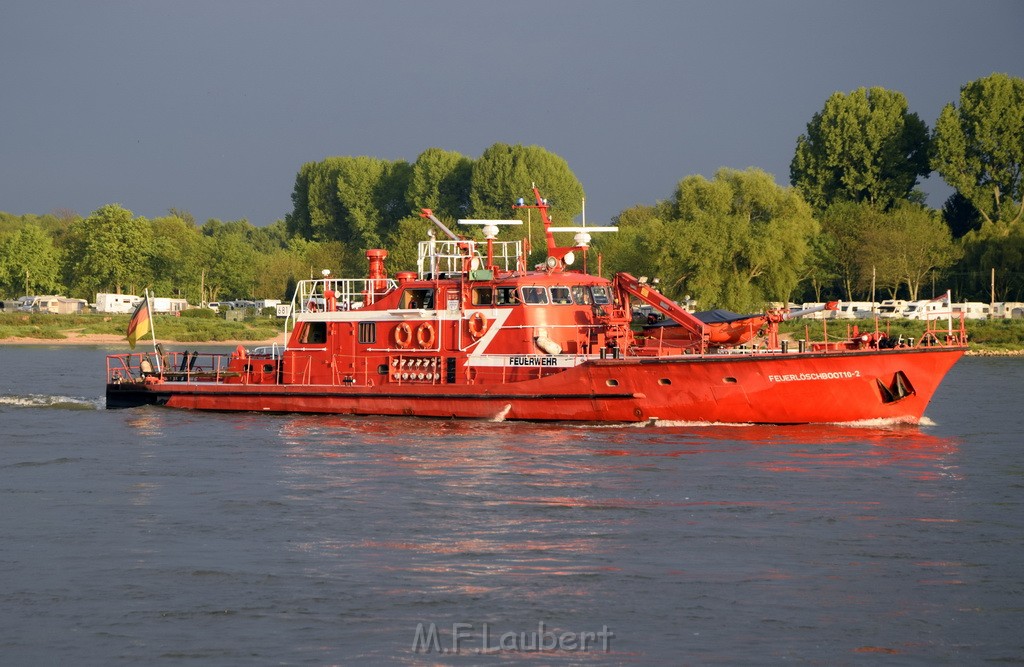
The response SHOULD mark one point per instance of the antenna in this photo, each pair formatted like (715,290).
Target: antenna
(490,227)
(490,230)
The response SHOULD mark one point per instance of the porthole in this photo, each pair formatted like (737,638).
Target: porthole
(665,381)
(729,380)
(612,383)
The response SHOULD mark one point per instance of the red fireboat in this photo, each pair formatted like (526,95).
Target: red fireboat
(475,333)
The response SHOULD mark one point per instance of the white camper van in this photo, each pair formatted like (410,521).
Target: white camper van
(116,303)
(972,310)
(854,310)
(925,309)
(892,308)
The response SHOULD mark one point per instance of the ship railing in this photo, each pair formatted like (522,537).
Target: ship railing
(171,366)
(945,329)
(436,256)
(345,294)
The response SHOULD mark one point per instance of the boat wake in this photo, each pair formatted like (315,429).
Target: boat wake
(500,416)
(49,401)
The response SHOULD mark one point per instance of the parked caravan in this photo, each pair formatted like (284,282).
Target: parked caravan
(116,303)
(1009,310)
(59,305)
(972,310)
(163,304)
(892,308)
(854,310)
(926,309)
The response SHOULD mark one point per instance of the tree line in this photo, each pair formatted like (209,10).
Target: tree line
(851,225)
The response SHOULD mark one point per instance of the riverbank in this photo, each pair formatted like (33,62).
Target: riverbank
(113,340)
(203,328)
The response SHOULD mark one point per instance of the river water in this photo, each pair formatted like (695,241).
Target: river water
(173,538)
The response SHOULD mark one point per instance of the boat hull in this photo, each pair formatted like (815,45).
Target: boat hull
(770,388)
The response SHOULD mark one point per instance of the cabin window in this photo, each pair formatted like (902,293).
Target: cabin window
(314,333)
(415,299)
(535,295)
(367,332)
(482,296)
(506,296)
(560,295)
(581,295)
(601,296)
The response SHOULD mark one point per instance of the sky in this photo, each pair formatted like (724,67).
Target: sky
(212,107)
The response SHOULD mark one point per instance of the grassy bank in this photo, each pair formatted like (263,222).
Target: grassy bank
(191,329)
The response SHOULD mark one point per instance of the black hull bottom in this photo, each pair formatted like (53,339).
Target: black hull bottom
(129,396)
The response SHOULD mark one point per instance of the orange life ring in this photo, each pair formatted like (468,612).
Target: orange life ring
(403,335)
(477,325)
(425,335)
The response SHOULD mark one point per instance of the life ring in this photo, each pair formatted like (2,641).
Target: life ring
(403,335)
(425,335)
(477,325)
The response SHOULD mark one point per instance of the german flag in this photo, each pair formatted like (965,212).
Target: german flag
(139,325)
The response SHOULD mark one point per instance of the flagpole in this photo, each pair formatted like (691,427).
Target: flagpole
(949,312)
(152,331)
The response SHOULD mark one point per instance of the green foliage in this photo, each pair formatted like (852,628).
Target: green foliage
(864,146)
(845,224)
(176,259)
(113,252)
(893,249)
(403,243)
(505,173)
(629,250)
(230,259)
(909,243)
(352,199)
(996,245)
(979,147)
(738,241)
(440,181)
(29,262)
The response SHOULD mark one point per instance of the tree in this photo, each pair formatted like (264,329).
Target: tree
(979,147)
(864,146)
(440,181)
(316,210)
(230,261)
(738,241)
(176,257)
(353,199)
(629,249)
(998,246)
(29,262)
(846,224)
(113,252)
(277,269)
(908,244)
(822,269)
(505,173)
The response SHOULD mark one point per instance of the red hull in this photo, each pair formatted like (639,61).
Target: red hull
(733,388)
